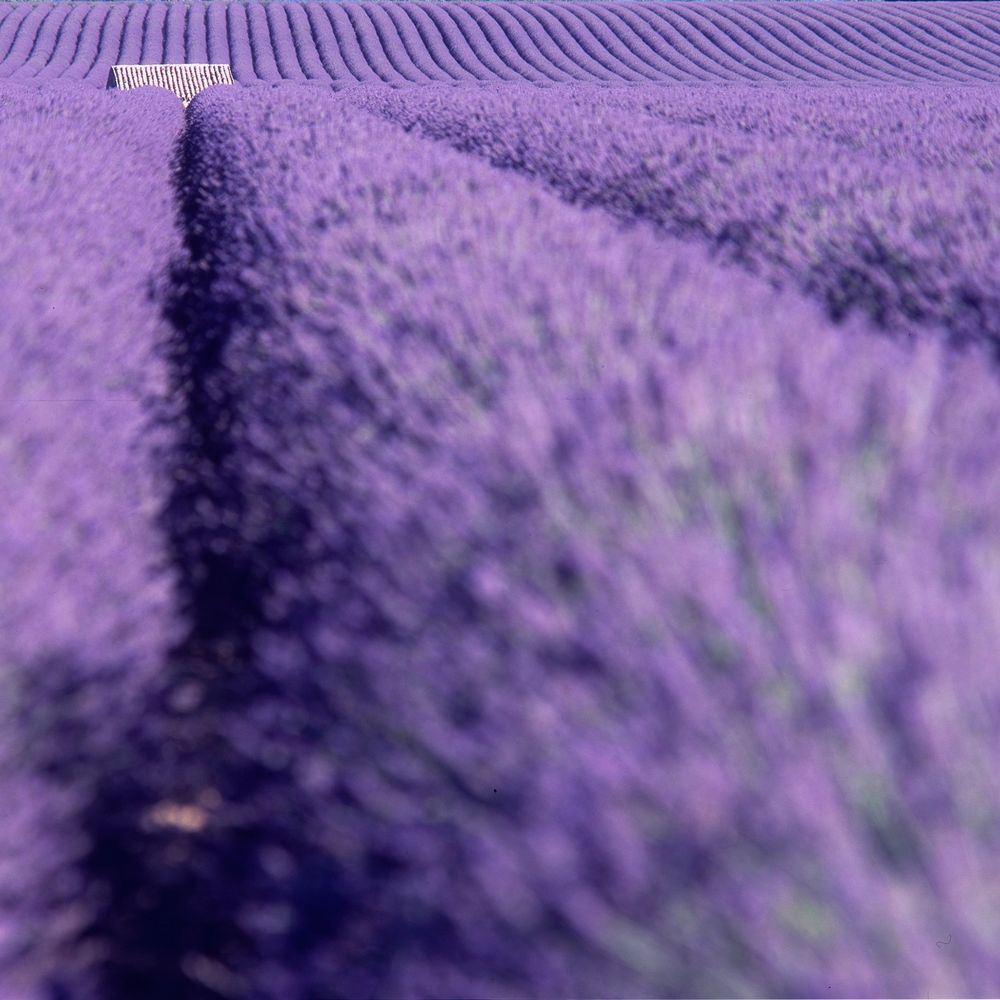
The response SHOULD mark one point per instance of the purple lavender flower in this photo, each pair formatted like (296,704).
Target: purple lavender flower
(85,601)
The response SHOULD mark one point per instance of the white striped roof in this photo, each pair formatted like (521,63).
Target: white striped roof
(184,79)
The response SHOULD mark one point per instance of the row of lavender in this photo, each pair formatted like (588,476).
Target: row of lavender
(881,201)
(86,609)
(402,43)
(623,627)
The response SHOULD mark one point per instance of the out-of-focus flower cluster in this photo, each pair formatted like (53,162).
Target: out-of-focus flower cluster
(647,616)
(86,611)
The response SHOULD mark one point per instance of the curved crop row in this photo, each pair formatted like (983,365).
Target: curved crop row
(850,202)
(543,42)
(618,625)
(919,127)
(86,596)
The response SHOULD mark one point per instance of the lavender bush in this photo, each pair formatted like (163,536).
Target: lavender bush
(85,601)
(602,621)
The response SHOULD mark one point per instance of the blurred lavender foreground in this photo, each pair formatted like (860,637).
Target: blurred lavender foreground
(646,619)
(427,576)
(85,600)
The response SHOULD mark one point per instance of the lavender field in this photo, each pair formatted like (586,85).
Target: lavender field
(502,501)
(428,41)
